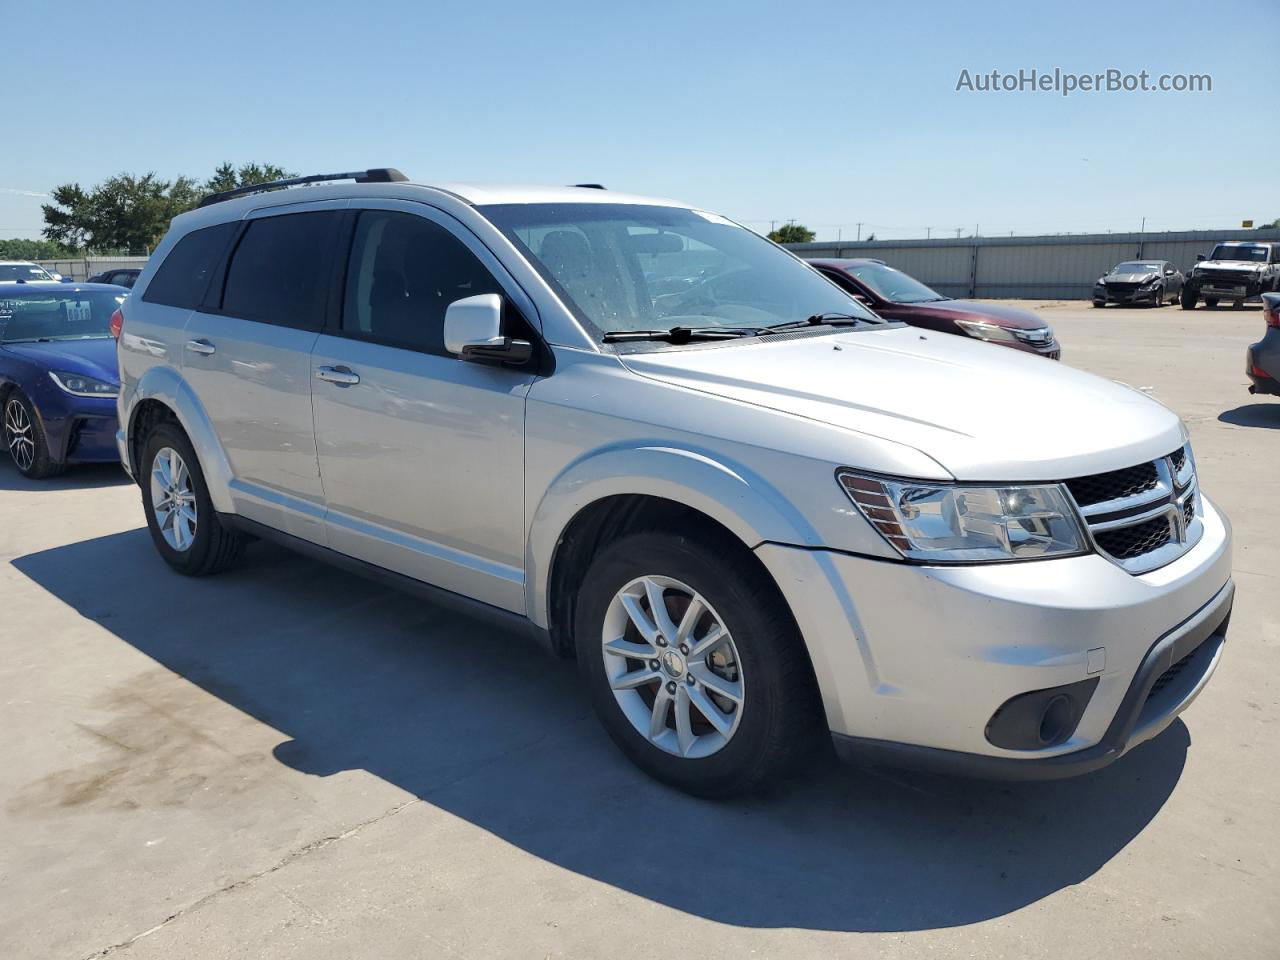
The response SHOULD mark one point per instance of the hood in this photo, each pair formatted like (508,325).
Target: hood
(93,358)
(1231,264)
(983,412)
(1009,317)
(1130,277)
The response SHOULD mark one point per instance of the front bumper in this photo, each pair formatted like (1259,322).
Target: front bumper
(913,660)
(1108,295)
(1225,289)
(78,429)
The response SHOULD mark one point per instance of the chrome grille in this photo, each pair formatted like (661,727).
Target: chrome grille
(1145,516)
(1038,336)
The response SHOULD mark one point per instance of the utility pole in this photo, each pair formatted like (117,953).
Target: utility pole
(927,231)
(958,229)
(859,230)
(975,230)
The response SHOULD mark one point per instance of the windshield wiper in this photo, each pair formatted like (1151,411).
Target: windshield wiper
(681,334)
(821,320)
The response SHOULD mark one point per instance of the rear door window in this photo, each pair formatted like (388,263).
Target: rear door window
(184,276)
(279,272)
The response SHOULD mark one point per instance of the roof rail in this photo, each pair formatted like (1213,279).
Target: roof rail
(590,186)
(374,175)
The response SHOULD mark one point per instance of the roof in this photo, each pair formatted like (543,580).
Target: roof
(482,194)
(46,286)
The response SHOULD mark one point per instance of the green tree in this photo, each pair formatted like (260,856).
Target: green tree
(791,233)
(229,177)
(130,212)
(20,249)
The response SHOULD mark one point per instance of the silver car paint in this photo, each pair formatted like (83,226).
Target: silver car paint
(750,434)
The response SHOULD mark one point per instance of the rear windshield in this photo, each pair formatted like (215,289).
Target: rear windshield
(634,267)
(64,314)
(1225,251)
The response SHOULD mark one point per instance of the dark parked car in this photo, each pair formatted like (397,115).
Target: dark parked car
(121,278)
(58,379)
(1153,282)
(896,296)
(1263,364)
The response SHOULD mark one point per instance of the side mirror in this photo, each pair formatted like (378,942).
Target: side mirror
(1199,257)
(1170,272)
(473,331)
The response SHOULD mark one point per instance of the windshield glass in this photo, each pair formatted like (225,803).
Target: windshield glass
(630,267)
(1225,251)
(1137,266)
(893,285)
(56,315)
(22,271)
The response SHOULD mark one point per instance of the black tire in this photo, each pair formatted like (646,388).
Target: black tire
(1188,299)
(1099,304)
(1211,303)
(1237,304)
(32,459)
(214,548)
(1159,299)
(781,719)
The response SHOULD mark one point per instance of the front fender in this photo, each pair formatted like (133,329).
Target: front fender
(728,492)
(166,385)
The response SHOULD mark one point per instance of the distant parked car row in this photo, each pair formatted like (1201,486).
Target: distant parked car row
(24,271)
(1235,271)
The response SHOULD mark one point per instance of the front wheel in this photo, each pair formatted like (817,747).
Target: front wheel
(694,664)
(1158,299)
(180,516)
(1187,299)
(25,440)
(1099,303)
(1211,302)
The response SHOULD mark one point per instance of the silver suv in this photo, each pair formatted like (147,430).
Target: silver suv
(752,510)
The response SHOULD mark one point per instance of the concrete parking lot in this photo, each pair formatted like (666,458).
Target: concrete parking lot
(287,762)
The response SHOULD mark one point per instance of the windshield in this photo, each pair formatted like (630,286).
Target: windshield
(1137,266)
(70,315)
(1225,251)
(893,285)
(625,267)
(22,271)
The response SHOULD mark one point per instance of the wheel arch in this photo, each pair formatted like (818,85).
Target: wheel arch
(162,394)
(617,491)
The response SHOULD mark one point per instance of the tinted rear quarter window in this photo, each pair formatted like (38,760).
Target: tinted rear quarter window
(279,272)
(184,276)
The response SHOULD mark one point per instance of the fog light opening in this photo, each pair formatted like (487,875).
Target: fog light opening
(1058,720)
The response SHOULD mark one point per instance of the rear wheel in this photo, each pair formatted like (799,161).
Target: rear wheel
(1237,304)
(1099,303)
(694,664)
(25,440)
(184,526)
(1188,299)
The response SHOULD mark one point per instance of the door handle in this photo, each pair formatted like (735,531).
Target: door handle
(201,346)
(342,376)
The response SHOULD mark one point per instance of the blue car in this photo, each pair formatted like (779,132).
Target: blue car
(58,375)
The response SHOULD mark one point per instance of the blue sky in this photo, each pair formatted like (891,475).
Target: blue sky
(827,113)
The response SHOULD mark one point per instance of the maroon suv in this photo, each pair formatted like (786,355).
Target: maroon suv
(895,296)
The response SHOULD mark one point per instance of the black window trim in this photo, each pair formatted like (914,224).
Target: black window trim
(515,322)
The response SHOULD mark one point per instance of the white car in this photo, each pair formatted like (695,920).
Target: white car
(755,513)
(24,271)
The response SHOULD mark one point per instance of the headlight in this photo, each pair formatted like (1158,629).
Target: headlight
(985,331)
(1149,284)
(950,523)
(79,385)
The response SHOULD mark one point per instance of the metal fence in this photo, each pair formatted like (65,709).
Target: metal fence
(1057,267)
(82,268)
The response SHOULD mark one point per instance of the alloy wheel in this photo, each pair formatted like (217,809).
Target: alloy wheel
(673,667)
(19,434)
(173,499)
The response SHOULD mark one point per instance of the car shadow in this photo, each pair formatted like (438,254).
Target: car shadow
(76,477)
(1266,415)
(478,722)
